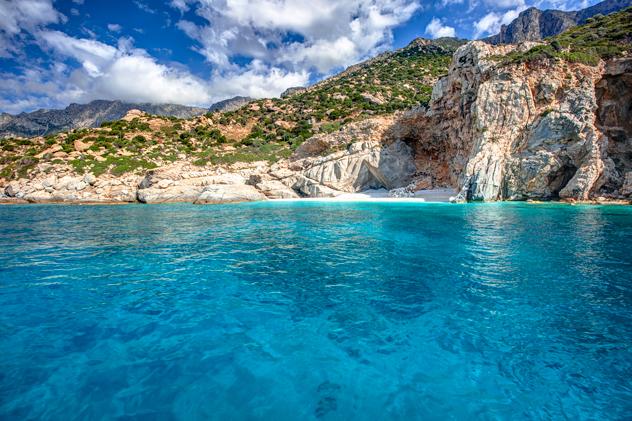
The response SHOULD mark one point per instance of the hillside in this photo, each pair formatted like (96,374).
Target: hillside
(535,25)
(44,122)
(601,38)
(267,129)
(542,121)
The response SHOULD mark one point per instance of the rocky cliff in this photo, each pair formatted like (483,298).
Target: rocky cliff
(231,104)
(363,155)
(546,129)
(542,121)
(534,25)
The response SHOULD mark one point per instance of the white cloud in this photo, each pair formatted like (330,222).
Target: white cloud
(258,81)
(131,74)
(144,7)
(288,43)
(323,54)
(436,29)
(504,4)
(490,23)
(181,5)
(18,16)
(445,3)
(36,88)
(83,50)
(124,72)
(331,34)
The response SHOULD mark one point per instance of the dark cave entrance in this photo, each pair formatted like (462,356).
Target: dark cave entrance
(560,178)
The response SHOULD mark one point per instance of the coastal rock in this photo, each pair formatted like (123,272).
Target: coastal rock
(147,181)
(275,189)
(120,194)
(177,193)
(229,193)
(364,166)
(9,191)
(311,188)
(499,131)
(626,190)
(376,130)
(89,179)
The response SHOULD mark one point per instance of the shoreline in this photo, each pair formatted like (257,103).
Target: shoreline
(17,202)
(434,196)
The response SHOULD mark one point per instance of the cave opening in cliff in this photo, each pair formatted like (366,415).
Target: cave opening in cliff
(560,178)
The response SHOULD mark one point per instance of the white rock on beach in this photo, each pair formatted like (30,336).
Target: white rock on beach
(229,193)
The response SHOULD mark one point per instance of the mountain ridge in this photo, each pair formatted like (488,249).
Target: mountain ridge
(534,24)
(535,121)
(47,121)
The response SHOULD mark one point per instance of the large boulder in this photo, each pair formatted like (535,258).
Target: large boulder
(364,166)
(9,191)
(275,189)
(229,193)
(172,194)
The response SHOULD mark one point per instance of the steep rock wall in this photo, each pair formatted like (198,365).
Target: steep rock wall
(532,130)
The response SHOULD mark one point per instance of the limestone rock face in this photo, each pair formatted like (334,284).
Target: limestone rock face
(626,190)
(275,189)
(364,166)
(178,193)
(311,188)
(230,193)
(361,156)
(533,24)
(525,131)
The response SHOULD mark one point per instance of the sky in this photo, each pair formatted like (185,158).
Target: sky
(198,52)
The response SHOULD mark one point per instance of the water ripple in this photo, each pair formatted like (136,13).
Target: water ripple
(309,311)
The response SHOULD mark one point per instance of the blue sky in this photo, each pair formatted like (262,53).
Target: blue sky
(197,52)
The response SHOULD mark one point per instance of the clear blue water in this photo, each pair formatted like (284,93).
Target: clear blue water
(316,311)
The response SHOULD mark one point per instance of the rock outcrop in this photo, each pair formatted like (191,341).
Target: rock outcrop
(363,155)
(504,124)
(542,130)
(534,25)
(230,104)
(293,91)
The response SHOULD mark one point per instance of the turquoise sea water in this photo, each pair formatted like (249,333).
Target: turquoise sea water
(292,311)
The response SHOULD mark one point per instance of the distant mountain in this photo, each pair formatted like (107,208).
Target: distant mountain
(293,91)
(534,24)
(43,122)
(231,104)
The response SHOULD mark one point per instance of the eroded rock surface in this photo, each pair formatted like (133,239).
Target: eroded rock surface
(541,130)
(492,131)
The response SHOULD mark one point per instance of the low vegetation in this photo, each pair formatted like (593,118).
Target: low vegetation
(271,129)
(602,37)
(264,130)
